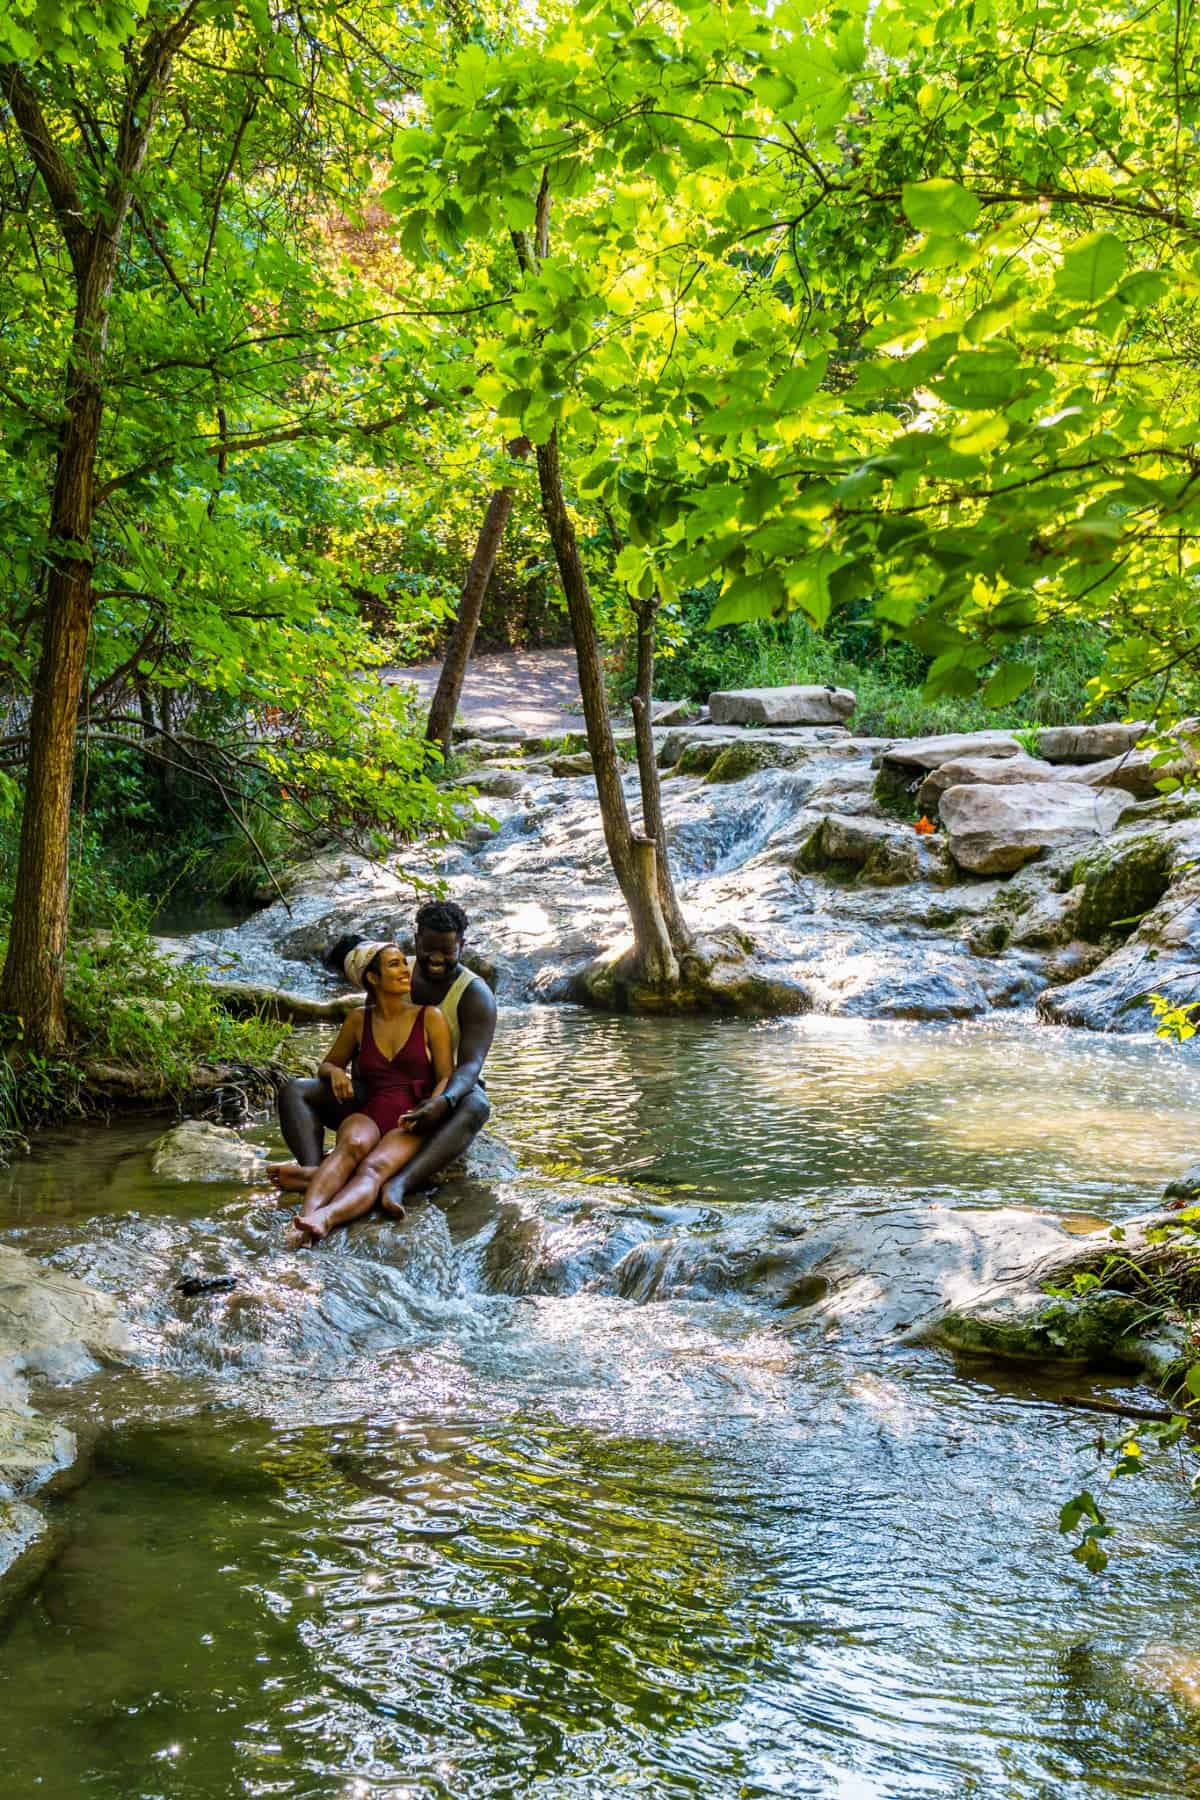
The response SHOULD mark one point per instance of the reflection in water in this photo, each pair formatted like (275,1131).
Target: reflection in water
(367,1526)
(762,1111)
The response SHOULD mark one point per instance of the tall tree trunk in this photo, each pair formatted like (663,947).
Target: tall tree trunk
(470,605)
(634,858)
(645,612)
(32,987)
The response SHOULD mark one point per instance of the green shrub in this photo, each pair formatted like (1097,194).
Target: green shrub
(886,677)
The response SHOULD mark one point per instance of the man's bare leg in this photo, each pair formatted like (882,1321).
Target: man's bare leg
(307,1109)
(442,1147)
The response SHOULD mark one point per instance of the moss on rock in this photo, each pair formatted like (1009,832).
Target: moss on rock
(1120,882)
(1101,1329)
(736,761)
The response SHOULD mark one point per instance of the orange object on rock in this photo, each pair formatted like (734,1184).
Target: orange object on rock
(924,826)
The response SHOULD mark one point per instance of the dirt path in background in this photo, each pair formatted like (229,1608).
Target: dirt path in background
(536,690)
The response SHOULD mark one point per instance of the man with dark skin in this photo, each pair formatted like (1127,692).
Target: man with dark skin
(308,1106)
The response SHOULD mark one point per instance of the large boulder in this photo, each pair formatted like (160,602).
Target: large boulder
(994,830)
(914,754)
(1087,743)
(781,706)
(987,771)
(198,1151)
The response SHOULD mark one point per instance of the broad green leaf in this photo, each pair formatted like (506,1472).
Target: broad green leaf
(942,208)
(1007,684)
(1091,268)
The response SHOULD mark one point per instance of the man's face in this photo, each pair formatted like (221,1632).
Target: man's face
(437,952)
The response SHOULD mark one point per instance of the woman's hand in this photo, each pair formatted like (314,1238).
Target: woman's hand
(339,1080)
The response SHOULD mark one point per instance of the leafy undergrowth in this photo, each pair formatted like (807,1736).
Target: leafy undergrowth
(128,1007)
(887,678)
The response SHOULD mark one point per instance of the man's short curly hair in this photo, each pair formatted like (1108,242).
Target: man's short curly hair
(442,915)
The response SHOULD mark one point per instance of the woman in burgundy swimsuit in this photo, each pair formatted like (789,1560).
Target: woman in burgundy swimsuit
(404,1057)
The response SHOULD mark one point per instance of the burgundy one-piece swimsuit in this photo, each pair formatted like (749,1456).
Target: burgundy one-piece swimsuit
(395,1087)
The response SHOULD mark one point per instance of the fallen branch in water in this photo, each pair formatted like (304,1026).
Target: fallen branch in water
(1127,1409)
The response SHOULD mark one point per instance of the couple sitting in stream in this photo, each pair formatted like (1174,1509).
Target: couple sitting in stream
(414,1101)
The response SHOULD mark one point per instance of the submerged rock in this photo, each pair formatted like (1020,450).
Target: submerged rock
(781,706)
(29,1545)
(199,1151)
(994,830)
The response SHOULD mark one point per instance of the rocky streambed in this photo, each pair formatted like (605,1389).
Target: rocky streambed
(675,1280)
(1061,881)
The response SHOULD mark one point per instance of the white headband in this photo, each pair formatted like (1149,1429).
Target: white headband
(356,960)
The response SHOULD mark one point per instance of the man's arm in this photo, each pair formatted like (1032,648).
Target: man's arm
(477,1028)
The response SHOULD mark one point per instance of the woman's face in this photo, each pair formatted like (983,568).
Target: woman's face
(393,978)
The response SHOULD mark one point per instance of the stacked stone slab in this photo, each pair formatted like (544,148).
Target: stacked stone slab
(781,706)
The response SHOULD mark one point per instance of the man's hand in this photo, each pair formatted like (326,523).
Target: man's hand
(339,1080)
(428,1116)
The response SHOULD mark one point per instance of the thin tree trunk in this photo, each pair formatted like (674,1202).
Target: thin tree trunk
(32,988)
(652,814)
(633,858)
(470,605)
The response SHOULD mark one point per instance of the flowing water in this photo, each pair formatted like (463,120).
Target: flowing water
(440,1510)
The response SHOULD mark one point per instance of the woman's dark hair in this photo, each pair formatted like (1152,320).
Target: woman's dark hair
(442,915)
(334,958)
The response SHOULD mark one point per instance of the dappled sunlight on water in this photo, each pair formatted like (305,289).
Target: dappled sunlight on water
(435,1511)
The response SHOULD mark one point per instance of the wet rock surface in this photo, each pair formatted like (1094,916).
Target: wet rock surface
(199,1151)
(52,1329)
(801,842)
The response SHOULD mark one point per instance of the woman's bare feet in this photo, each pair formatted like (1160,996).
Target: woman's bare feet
(311,1227)
(290,1178)
(395,1209)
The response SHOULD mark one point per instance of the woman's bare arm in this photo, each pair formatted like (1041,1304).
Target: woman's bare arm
(337,1061)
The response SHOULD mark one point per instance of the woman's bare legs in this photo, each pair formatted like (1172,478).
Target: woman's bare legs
(360,1192)
(357,1137)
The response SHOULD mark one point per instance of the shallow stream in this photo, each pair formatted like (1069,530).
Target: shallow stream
(440,1510)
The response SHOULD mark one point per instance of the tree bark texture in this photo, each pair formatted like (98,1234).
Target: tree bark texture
(635,872)
(652,815)
(470,605)
(34,968)
(32,985)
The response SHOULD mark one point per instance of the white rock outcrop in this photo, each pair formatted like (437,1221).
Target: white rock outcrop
(994,830)
(987,771)
(781,706)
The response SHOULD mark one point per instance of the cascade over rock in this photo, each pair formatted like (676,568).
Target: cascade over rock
(797,857)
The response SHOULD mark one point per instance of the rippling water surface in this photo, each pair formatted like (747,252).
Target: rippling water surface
(367,1526)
